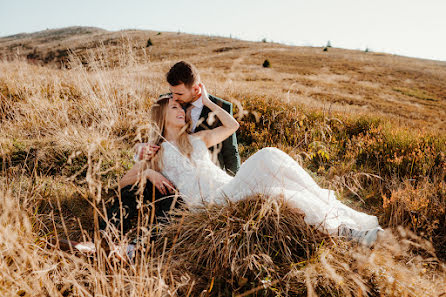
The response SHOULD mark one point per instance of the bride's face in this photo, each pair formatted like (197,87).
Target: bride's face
(175,115)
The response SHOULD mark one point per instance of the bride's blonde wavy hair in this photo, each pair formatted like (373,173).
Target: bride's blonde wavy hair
(158,113)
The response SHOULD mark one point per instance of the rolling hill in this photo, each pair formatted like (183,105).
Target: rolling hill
(407,90)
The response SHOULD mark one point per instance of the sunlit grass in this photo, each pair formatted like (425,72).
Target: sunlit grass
(67,137)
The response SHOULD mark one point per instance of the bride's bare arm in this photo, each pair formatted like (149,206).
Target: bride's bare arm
(132,176)
(218,134)
(139,172)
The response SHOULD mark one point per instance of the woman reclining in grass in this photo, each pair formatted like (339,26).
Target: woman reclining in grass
(183,164)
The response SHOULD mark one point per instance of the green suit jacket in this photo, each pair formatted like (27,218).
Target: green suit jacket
(227,152)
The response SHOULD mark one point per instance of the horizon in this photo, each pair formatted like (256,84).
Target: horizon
(231,37)
(400,28)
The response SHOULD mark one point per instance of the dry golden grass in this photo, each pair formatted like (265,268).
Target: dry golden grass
(407,90)
(368,125)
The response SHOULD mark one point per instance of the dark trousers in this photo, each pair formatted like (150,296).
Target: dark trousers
(130,199)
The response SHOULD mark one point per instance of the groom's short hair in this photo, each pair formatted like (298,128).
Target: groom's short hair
(183,73)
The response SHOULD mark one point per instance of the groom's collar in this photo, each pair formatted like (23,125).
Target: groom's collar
(198,103)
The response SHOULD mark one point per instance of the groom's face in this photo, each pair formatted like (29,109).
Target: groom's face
(184,95)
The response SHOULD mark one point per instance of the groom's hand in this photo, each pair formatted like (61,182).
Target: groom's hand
(163,185)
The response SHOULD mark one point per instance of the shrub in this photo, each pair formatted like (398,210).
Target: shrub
(149,43)
(421,206)
(266,64)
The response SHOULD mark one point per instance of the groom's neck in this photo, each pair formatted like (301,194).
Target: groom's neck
(196,97)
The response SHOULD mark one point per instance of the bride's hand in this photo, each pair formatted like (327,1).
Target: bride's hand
(161,183)
(145,151)
(228,124)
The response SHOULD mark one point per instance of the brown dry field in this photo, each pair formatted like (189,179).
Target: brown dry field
(406,90)
(74,101)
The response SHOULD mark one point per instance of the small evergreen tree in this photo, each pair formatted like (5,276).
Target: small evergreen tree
(264,40)
(149,43)
(266,64)
(328,44)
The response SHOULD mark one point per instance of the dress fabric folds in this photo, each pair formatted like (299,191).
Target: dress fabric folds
(269,171)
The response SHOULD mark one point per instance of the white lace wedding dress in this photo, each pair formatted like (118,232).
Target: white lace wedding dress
(270,171)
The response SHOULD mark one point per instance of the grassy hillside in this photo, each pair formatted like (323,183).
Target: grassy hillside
(409,91)
(372,126)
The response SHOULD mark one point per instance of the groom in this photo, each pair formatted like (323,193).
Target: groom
(184,84)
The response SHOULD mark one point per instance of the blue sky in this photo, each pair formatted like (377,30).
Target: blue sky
(410,28)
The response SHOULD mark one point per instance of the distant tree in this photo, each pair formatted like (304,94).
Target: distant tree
(366,50)
(149,43)
(266,64)
(328,44)
(159,33)
(264,40)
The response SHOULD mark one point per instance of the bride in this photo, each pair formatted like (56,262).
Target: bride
(183,163)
